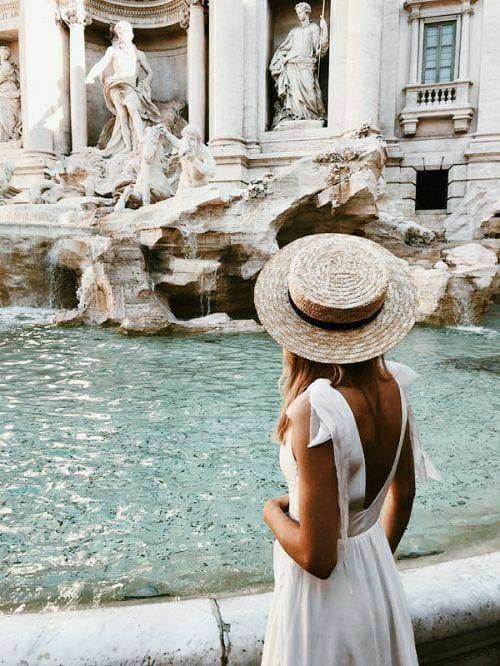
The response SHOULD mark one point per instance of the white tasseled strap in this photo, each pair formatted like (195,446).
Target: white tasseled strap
(424,466)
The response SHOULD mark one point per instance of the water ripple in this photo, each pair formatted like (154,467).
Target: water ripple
(138,467)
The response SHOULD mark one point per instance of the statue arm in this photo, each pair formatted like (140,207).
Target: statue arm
(99,67)
(324,37)
(171,137)
(207,163)
(143,61)
(279,58)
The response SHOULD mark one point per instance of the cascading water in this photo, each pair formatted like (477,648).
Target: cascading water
(462,291)
(190,243)
(54,277)
(190,239)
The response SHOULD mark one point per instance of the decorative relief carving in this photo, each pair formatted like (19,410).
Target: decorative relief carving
(144,14)
(184,22)
(75,14)
(9,9)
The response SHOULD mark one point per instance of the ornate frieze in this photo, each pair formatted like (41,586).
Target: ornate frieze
(145,14)
(9,9)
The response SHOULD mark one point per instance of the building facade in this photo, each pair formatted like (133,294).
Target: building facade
(425,72)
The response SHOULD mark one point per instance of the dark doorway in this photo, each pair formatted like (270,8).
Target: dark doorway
(432,190)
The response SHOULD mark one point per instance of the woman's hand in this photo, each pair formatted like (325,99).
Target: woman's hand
(272,506)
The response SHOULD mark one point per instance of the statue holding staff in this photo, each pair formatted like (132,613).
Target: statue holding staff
(294,68)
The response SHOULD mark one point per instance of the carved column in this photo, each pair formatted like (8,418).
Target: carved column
(364,55)
(465,43)
(196,64)
(227,41)
(489,106)
(39,71)
(414,20)
(76,19)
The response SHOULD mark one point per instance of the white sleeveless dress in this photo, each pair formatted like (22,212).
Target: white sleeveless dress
(358,616)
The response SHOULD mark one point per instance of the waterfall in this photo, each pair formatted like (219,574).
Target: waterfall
(205,300)
(190,238)
(54,277)
(190,243)
(461,292)
(85,288)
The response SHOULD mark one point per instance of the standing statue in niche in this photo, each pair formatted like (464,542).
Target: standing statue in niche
(294,68)
(10,98)
(127,97)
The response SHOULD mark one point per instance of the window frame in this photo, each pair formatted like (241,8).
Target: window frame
(446,18)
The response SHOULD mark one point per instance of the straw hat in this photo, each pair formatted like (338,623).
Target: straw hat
(335,298)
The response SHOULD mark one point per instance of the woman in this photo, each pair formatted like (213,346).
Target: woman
(10,97)
(336,304)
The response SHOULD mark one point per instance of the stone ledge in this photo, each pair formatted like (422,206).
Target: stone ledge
(455,608)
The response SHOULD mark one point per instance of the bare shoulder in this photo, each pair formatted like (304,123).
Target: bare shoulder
(300,409)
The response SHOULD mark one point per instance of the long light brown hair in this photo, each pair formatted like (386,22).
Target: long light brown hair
(298,373)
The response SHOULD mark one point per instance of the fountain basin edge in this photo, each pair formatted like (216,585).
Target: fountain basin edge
(455,609)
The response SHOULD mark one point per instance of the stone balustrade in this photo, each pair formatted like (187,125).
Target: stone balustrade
(437,100)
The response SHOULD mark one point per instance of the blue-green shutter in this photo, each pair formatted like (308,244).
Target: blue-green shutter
(439,52)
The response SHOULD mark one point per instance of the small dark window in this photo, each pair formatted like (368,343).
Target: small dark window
(432,190)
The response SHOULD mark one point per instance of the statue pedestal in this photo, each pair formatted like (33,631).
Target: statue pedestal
(29,165)
(298,125)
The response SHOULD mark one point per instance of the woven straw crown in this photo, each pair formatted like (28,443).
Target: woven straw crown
(335,298)
(342,286)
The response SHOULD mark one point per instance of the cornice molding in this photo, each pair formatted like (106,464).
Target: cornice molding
(415,5)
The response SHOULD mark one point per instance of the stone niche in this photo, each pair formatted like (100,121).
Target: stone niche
(166,50)
(282,18)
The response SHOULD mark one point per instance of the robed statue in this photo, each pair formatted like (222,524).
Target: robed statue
(127,96)
(10,97)
(294,68)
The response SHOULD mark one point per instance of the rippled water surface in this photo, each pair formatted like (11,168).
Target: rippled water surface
(133,467)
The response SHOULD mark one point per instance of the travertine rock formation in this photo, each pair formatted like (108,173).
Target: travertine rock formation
(458,287)
(195,256)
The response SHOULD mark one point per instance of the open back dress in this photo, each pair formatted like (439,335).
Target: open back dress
(358,616)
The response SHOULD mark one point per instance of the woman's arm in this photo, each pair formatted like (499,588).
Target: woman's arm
(399,501)
(312,543)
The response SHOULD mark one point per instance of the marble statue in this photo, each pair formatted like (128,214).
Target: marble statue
(127,97)
(196,160)
(150,184)
(7,191)
(294,68)
(10,98)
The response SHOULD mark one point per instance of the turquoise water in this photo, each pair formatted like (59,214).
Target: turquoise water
(135,467)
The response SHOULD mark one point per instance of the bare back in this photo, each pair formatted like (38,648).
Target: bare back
(379,455)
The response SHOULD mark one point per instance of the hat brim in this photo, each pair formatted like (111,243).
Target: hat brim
(290,331)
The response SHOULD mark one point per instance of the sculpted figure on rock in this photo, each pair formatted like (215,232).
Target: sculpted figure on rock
(149,183)
(10,98)
(196,160)
(294,68)
(127,97)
